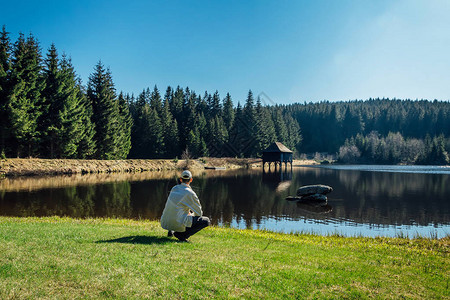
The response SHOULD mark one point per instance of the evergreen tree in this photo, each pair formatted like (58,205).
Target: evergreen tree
(216,107)
(280,127)
(5,66)
(147,132)
(155,100)
(217,136)
(170,132)
(265,133)
(154,139)
(189,117)
(24,95)
(193,142)
(176,104)
(293,133)
(87,145)
(123,141)
(102,95)
(228,111)
(238,138)
(249,126)
(168,95)
(50,125)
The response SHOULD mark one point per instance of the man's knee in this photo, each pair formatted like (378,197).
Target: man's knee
(206,221)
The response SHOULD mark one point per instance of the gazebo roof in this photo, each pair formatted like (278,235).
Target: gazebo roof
(277,147)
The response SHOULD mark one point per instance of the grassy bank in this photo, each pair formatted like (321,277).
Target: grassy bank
(67,258)
(36,166)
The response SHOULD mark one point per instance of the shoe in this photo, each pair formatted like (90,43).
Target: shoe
(170,233)
(180,237)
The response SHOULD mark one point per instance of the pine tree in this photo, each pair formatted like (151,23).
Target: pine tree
(154,140)
(249,126)
(293,133)
(87,146)
(5,66)
(176,104)
(155,100)
(280,127)
(170,132)
(265,130)
(193,143)
(50,125)
(102,95)
(123,141)
(24,95)
(238,137)
(189,117)
(216,107)
(228,111)
(63,123)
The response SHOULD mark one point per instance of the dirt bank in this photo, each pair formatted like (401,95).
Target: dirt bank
(35,166)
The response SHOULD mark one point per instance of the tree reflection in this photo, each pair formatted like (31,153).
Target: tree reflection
(247,196)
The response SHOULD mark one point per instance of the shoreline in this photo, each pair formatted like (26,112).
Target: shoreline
(14,167)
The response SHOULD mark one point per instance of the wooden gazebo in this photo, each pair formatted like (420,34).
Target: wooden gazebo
(278,154)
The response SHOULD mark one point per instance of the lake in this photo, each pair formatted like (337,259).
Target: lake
(366,201)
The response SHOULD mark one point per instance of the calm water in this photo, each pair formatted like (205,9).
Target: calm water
(367,200)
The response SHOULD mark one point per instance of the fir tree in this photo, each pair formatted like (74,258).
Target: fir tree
(293,133)
(24,95)
(228,111)
(123,141)
(189,118)
(50,125)
(216,107)
(176,104)
(102,95)
(265,133)
(238,137)
(5,66)
(280,127)
(169,131)
(155,100)
(87,146)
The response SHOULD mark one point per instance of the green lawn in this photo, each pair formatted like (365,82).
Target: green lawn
(97,258)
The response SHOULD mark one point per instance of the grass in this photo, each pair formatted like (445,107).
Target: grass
(116,258)
(40,167)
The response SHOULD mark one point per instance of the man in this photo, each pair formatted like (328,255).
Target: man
(182,215)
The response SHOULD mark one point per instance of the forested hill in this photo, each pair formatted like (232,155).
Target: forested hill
(326,125)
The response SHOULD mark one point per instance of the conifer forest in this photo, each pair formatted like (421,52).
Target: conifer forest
(47,112)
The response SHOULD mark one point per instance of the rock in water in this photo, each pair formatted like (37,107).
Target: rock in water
(314,189)
(315,197)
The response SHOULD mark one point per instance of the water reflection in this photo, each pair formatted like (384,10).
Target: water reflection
(321,207)
(245,198)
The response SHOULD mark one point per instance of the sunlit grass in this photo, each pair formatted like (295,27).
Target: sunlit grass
(119,258)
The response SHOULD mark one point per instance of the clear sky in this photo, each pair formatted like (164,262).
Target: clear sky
(289,51)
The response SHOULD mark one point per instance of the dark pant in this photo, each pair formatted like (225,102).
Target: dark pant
(198,223)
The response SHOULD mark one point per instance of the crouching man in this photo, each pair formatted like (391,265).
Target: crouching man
(182,215)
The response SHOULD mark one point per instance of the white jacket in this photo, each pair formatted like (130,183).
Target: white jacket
(176,215)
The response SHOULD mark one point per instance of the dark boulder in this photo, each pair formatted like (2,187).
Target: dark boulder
(308,190)
(315,197)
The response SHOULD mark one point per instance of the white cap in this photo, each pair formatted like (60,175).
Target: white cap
(186,174)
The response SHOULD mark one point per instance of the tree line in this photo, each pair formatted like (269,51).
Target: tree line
(394,149)
(377,130)
(46,111)
(180,121)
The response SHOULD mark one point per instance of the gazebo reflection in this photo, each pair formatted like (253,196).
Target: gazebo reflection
(279,179)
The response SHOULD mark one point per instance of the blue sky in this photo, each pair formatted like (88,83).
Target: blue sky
(289,51)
